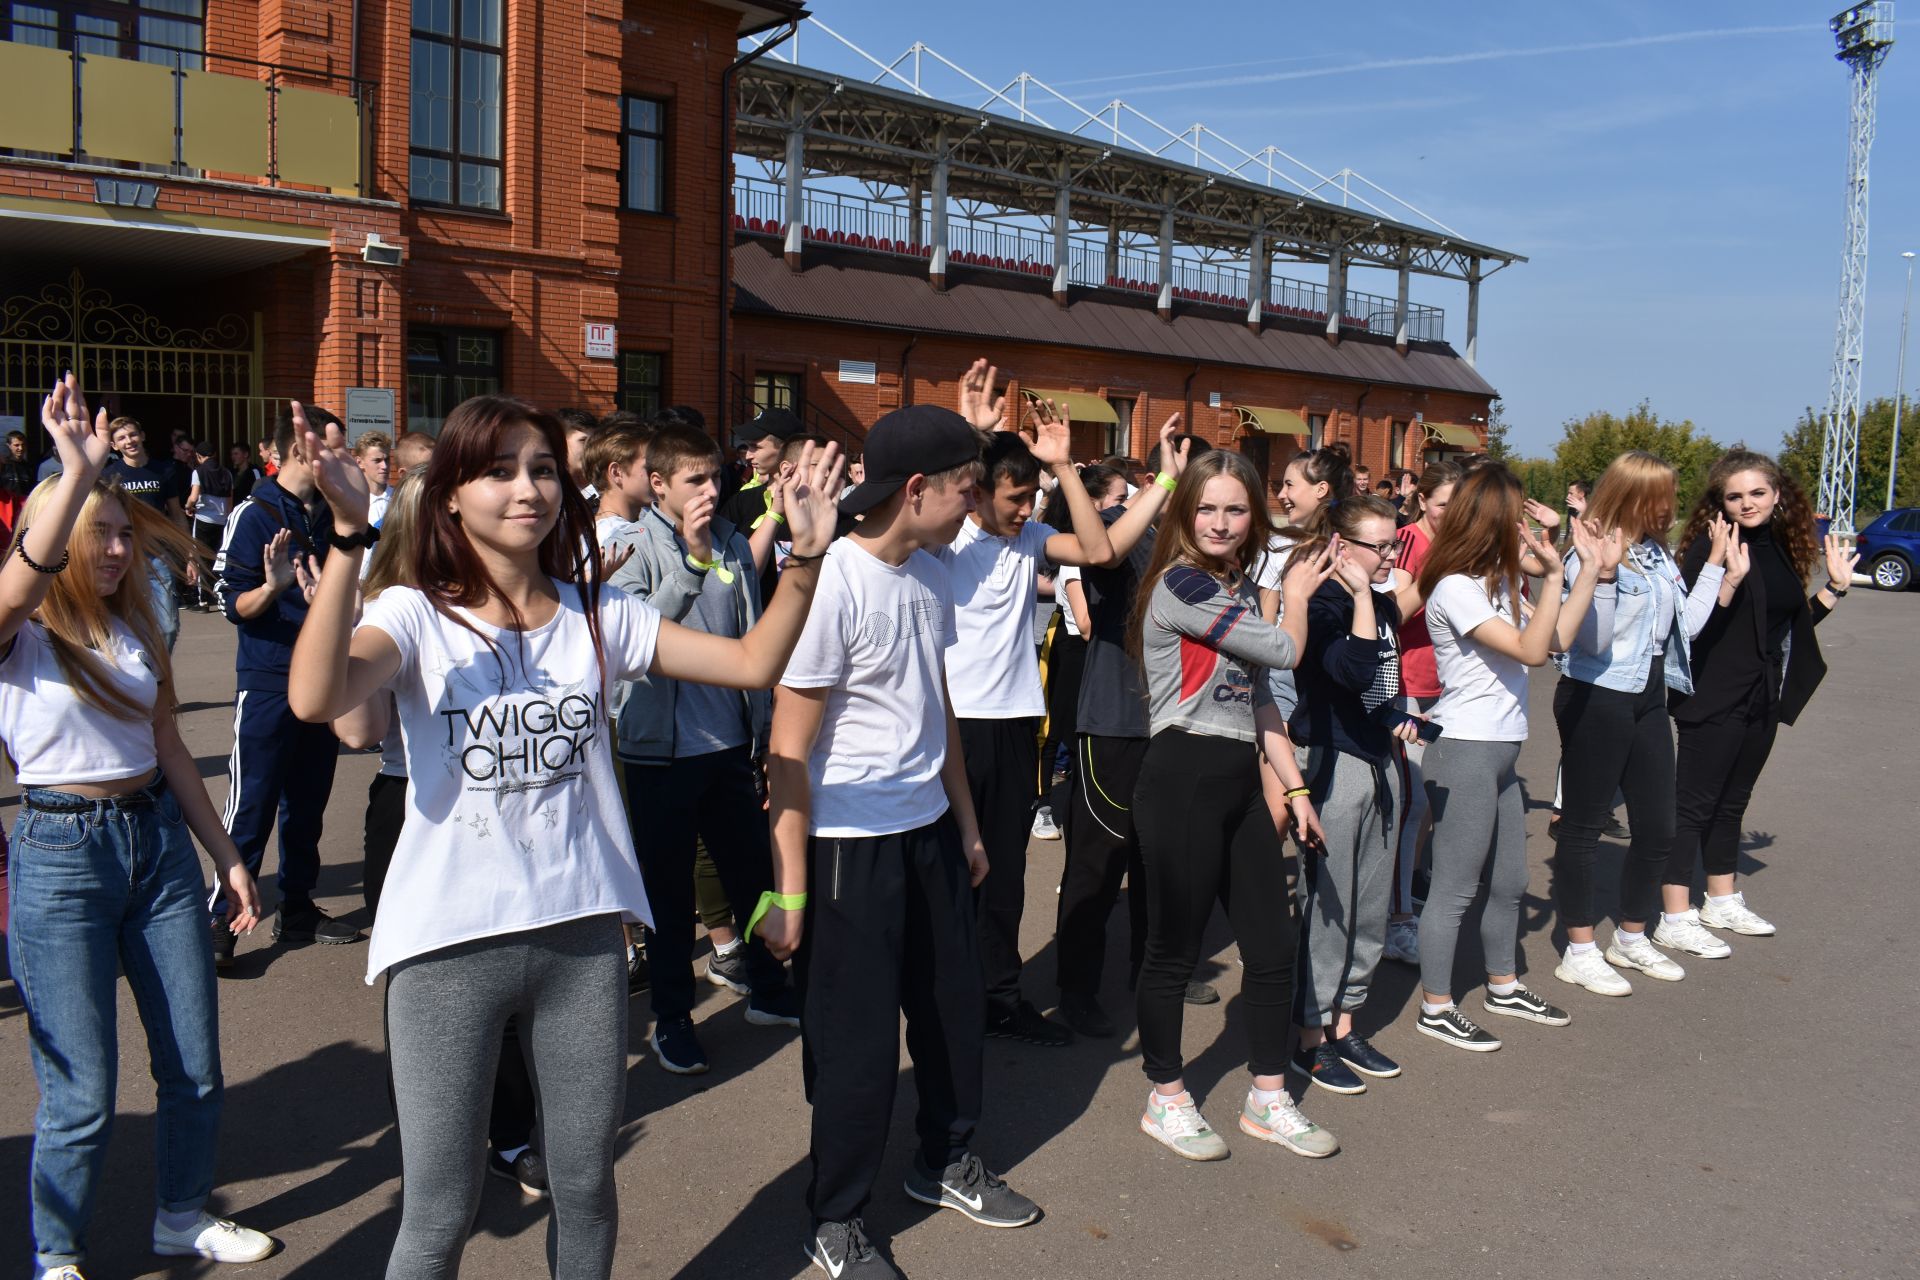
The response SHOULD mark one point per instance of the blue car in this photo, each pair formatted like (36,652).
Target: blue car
(1890,548)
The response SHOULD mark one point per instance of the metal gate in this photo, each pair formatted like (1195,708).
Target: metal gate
(209,377)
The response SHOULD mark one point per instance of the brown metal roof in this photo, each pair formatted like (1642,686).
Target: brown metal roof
(877,291)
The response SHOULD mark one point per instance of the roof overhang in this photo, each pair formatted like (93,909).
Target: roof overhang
(1079,405)
(761,15)
(1449,433)
(42,235)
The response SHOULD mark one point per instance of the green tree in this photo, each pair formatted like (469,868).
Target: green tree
(1588,444)
(1800,454)
(1498,429)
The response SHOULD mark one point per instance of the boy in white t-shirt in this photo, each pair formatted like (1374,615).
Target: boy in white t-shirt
(874,839)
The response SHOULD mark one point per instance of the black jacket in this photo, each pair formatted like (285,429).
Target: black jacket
(1731,652)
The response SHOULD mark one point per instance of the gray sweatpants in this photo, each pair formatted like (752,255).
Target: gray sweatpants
(445,1012)
(1345,895)
(1478,812)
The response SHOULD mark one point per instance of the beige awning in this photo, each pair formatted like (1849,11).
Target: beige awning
(1449,433)
(1080,406)
(1278,422)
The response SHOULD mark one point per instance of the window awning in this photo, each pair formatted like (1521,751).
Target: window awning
(1080,406)
(1279,422)
(1457,436)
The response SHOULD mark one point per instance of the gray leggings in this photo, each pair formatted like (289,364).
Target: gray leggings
(445,1012)
(1477,810)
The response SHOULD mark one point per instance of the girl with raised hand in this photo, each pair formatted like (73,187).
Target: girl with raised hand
(105,879)
(1471,580)
(1203,645)
(1618,662)
(513,870)
(1755,665)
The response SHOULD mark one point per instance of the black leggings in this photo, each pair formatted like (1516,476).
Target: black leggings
(1206,835)
(1720,761)
(1612,740)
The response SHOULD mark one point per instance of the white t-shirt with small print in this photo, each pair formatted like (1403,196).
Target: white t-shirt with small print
(1483,694)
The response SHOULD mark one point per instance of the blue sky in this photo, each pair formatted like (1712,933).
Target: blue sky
(1674,173)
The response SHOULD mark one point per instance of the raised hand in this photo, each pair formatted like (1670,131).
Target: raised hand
(1739,560)
(978,405)
(1348,573)
(1719,532)
(336,472)
(809,498)
(614,558)
(306,576)
(1052,434)
(1305,576)
(1842,556)
(83,446)
(1542,514)
(1173,460)
(696,524)
(1542,548)
(1609,548)
(276,561)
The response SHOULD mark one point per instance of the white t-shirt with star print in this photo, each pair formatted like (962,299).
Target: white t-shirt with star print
(514,819)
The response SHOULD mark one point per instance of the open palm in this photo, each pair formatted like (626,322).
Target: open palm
(336,472)
(83,446)
(808,497)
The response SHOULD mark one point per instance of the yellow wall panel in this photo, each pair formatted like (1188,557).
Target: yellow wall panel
(126,110)
(36,98)
(225,125)
(319,139)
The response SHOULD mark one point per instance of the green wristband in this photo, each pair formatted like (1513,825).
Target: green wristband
(769,900)
(1165,481)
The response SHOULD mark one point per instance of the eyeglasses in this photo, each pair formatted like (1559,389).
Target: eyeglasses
(1385,550)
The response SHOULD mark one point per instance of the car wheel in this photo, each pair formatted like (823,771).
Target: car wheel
(1892,573)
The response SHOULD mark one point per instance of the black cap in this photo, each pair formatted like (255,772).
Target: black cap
(778,423)
(920,440)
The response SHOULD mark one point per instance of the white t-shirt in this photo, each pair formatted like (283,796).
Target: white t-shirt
(1068,573)
(514,819)
(1483,694)
(1271,567)
(995,666)
(55,738)
(877,640)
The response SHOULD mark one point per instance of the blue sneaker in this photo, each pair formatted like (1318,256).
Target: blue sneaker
(1322,1065)
(1357,1052)
(678,1048)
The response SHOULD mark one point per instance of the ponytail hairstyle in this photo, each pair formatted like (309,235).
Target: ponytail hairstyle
(1344,518)
(78,619)
(1481,534)
(1634,495)
(1331,465)
(1437,476)
(1792,519)
(392,563)
(1174,544)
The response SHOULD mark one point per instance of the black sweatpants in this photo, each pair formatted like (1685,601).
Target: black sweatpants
(281,770)
(1611,740)
(707,798)
(1066,664)
(1102,847)
(1206,836)
(1719,763)
(1001,763)
(890,930)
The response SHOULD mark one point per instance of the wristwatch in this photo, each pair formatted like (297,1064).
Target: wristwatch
(354,541)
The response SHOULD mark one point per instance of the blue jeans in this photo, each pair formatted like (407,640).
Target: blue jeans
(102,887)
(166,605)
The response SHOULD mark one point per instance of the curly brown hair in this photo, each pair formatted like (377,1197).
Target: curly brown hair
(1792,513)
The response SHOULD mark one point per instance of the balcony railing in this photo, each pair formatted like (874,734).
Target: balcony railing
(882,227)
(169,113)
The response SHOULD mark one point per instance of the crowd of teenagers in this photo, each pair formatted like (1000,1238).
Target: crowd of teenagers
(622,693)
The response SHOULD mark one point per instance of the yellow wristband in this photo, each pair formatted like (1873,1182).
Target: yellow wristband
(715,565)
(769,900)
(1165,481)
(1297,792)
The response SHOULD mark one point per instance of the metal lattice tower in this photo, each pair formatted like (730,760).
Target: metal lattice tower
(1864,35)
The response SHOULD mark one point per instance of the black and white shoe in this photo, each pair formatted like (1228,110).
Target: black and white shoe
(527,1169)
(967,1186)
(1452,1027)
(1522,1003)
(729,971)
(1027,1024)
(842,1250)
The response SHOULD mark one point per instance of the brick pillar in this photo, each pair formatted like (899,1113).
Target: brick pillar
(356,315)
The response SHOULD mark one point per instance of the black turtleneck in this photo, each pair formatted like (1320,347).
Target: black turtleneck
(1784,591)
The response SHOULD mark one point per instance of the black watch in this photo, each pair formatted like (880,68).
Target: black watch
(354,541)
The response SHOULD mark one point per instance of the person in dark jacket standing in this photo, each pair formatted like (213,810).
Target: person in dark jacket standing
(266,572)
(1756,664)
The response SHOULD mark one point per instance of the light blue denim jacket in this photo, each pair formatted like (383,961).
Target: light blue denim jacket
(1614,646)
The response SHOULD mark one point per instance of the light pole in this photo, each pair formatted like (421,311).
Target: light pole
(1900,383)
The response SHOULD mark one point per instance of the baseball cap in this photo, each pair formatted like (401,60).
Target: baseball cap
(919,440)
(778,423)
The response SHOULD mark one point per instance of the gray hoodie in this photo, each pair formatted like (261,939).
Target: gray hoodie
(1203,647)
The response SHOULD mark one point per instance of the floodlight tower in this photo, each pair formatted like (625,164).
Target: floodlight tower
(1864,35)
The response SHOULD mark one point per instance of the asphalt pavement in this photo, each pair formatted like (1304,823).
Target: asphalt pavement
(1757,1119)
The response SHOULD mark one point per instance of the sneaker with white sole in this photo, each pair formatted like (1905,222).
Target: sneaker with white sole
(1450,1026)
(1044,827)
(211,1237)
(1403,940)
(1280,1121)
(1634,951)
(1522,1003)
(65,1271)
(1589,969)
(969,1187)
(1686,934)
(1177,1123)
(1735,915)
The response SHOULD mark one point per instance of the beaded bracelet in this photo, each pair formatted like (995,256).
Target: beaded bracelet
(66,554)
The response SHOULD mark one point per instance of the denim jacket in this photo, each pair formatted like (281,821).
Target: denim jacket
(1614,645)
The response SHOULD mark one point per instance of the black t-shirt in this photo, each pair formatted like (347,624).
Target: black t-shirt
(1113,694)
(155,484)
(741,510)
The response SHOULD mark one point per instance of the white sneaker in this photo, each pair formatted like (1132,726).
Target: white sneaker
(214,1238)
(1734,915)
(1044,827)
(1685,934)
(1634,951)
(1178,1124)
(1589,969)
(1403,940)
(65,1271)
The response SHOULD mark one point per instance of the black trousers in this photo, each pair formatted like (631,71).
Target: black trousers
(1720,760)
(1102,847)
(708,798)
(386,814)
(1611,740)
(282,772)
(1001,765)
(1206,836)
(1066,663)
(890,930)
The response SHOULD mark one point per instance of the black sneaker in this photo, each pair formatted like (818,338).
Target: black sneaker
(1086,1017)
(1616,829)
(639,975)
(1202,993)
(968,1187)
(1454,1028)
(678,1048)
(1321,1065)
(527,1169)
(1025,1023)
(776,1008)
(1358,1052)
(1522,1003)
(729,971)
(842,1250)
(298,922)
(224,943)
